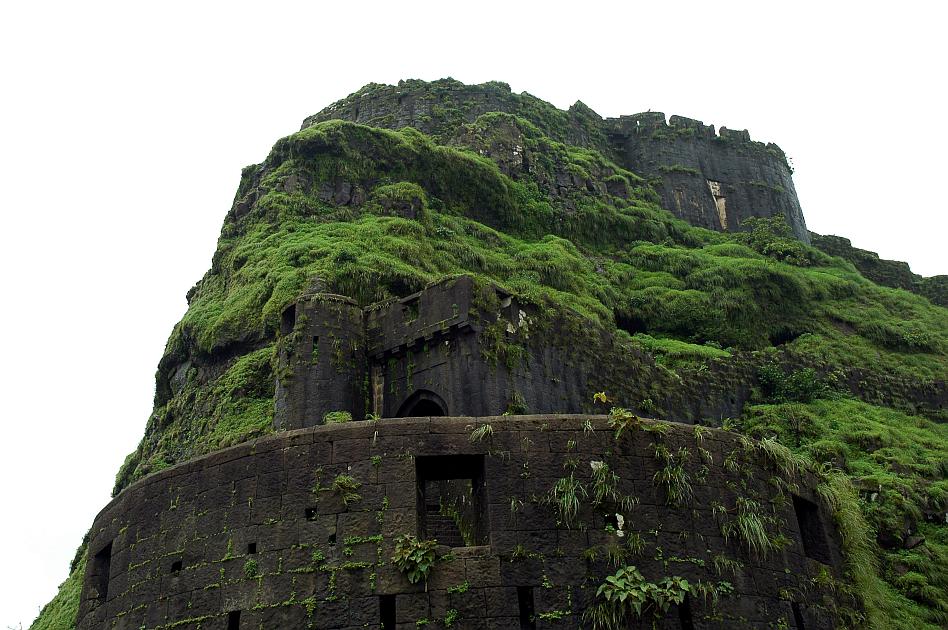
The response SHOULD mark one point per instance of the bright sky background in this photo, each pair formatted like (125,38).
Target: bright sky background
(124,126)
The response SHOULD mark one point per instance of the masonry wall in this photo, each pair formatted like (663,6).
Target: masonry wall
(713,180)
(261,536)
(322,361)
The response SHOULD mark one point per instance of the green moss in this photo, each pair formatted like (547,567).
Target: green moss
(899,464)
(60,613)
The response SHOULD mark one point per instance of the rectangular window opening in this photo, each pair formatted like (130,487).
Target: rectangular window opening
(310,514)
(684,614)
(527,608)
(452,500)
(176,566)
(797,616)
(101,568)
(812,532)
(251,548)
(387,612)
(410,310)
(233,620)
(288,319)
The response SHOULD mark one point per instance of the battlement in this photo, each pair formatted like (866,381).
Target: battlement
(655,123)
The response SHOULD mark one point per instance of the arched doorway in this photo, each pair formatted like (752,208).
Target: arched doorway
(422,403)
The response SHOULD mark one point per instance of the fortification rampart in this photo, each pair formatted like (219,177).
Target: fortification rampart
(456,348)
(717,180)
(713,180)
(298,529)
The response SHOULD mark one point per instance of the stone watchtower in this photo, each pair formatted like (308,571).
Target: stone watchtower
(321,361)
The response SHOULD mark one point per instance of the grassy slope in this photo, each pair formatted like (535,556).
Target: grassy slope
(900,464)
(691,295)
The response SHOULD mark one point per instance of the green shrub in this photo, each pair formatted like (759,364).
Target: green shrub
(414,557)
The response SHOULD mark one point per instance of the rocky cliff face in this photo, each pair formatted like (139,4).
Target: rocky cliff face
(710,179)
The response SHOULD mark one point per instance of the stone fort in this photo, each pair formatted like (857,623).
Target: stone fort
(409,417)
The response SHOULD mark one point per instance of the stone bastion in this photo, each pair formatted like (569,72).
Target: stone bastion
(531,513)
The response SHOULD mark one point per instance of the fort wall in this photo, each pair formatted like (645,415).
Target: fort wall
(456,348)
(716,180)
(712,180)
(298,529)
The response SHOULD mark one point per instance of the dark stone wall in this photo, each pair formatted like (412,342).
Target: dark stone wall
(475,351)
(326,369)
(716,181)
(179,554)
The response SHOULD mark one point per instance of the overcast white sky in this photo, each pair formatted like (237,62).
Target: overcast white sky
(124,126)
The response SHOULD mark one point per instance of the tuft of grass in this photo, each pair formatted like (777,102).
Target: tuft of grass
(347,488)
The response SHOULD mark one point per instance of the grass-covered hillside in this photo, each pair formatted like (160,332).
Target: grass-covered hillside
(849,373)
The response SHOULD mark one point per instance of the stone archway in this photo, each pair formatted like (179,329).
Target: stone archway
(422,403)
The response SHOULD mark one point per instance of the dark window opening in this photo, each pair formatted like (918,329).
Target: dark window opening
(310,514)
(797,616)
(783,336)
(422,403)
(251,548)
(612,520)
(452,500)
(332,538)
(387,612)
(811,530)
(527,608)
(288,319)
(410,310)
(629,323)
(101,567)
(176,566)
(684,614)
(233,620)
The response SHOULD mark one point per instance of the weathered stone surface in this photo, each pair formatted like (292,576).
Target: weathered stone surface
(715,180)
(289,566)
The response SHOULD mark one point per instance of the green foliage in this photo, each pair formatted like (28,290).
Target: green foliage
(347,488)
(414,557)
(483,431)
(899,462)
(673,477)
(60,613)
(804,385)
(565,497)
(459,589)
(251,570)
(627,595)
(749,525)
(335,417)
(622,419)
(675,353)
(450,617)
(772,237)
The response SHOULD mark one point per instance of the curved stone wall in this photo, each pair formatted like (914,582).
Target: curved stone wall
(297,530)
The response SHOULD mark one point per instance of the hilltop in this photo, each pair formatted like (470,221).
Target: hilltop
(615,222)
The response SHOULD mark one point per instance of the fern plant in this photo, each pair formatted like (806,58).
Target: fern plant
(346,486)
